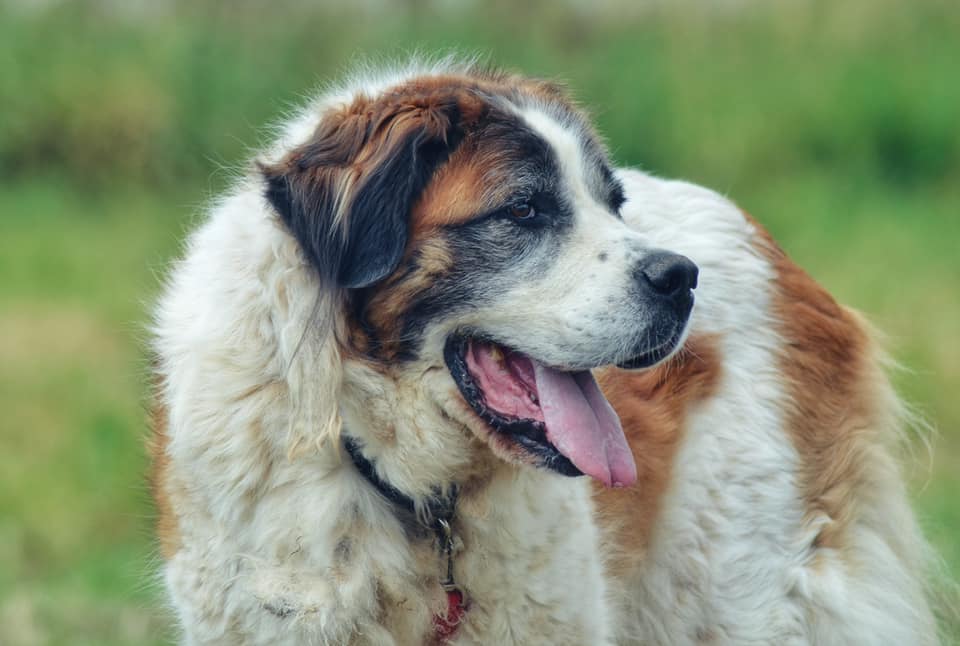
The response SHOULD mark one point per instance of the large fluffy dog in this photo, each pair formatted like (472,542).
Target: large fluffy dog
(375,395)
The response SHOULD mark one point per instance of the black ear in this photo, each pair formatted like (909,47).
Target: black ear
(346,195)
(379,217)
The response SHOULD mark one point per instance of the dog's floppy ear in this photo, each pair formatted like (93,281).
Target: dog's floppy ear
(346,194)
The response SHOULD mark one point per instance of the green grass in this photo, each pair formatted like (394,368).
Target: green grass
(835,124)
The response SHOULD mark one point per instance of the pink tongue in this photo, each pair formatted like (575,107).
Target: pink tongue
(583,426)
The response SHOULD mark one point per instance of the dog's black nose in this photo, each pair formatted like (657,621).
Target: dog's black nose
(668,273)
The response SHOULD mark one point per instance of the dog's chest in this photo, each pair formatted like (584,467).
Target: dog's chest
(528,574)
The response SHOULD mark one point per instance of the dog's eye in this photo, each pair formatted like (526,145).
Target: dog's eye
(522,211)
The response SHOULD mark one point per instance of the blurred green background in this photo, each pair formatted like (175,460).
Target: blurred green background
(836,124)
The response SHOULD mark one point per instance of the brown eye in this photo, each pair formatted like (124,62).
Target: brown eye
(522,211)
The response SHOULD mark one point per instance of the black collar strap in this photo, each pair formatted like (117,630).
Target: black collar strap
(439,511)
(439,508)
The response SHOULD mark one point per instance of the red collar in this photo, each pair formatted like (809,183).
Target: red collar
(445,626)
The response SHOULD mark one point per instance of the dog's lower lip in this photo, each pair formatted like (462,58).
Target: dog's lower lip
(644,360)
(650,357)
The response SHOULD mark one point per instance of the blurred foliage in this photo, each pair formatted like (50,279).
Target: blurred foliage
(833,123)
(150,93)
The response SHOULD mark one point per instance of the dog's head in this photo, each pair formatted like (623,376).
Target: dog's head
(471,222)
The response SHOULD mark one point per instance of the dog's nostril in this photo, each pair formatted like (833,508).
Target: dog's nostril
(669,273)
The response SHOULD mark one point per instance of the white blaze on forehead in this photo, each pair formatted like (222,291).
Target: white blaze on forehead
(567,144)
(579,173)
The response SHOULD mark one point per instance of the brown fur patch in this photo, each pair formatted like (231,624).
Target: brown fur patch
(168,531)
(351,143)
(455,194)
(652,406)
(830,376)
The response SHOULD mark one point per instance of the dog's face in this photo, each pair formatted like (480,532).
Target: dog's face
(474,225)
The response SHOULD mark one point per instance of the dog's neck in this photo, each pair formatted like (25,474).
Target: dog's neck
(433,512)
(403,431)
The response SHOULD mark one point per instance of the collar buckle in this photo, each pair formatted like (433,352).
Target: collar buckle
(445,538)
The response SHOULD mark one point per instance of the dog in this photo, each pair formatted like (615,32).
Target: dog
(391,351)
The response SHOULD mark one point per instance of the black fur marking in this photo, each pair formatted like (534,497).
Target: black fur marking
(306,210)
(379,218)
(343,551)
(376,220)
(281,608)
(615,195)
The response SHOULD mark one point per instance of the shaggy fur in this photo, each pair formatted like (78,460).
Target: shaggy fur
(317,298)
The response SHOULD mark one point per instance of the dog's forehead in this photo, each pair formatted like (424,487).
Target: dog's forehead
(530,144)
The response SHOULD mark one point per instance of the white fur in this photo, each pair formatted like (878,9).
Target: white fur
(730,560)
(281,541)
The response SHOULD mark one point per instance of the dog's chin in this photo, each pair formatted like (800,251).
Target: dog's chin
(662,352)
(502,389)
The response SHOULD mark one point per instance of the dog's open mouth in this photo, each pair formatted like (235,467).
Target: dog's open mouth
(560,418)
